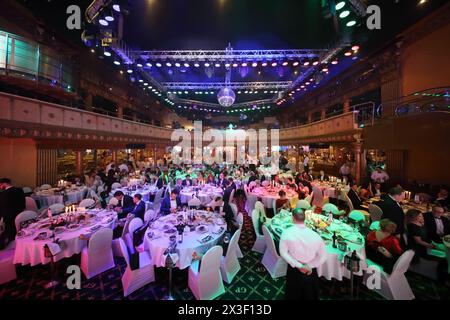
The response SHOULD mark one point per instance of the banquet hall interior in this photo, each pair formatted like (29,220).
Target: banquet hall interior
(224,149)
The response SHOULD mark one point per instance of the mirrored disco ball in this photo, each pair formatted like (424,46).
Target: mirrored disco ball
(226,97)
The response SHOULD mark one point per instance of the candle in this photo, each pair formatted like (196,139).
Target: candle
(67,209)
(73,208)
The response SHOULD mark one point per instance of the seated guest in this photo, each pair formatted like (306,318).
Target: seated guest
(216,203)
(139,207)
(322,176)
(12,202)
(252,177)
(392,210)
(365,193)
(382,246)
(376,190)
(125,205)
(187,182)
(354,197)
(178,185)
(170,203)
(162,181)
(123,167)
(291,184)
(282,202)
(230,217)
(227,191)
(222,182)
(437,226)
(276,180)
(210,179)
(419,241)
(231,183)
(442,198)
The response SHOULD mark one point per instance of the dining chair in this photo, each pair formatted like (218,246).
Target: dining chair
(97,256)
(317,197)
(116,185)
(149,215)
(57,208)
(45,187)
(240,222)
(260,244)
(393,286)
(229,265)
(194,203)
(375,212)
(272,261)
(30,204)
(133,280)
(205,279)
(24,216)
(87,203)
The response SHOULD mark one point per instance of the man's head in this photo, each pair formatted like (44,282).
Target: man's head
(442,194)
(118,195)
(188,177)
(298,215)
(137,197)
(379,169)
(354,187)
(4,183)
(322,173)
(230,180)
(413,215)
(282,193)
(437,211)
(387,225)
(173,195)
(396,193)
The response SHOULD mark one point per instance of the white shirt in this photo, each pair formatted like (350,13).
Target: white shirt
(300,245)
(439,227)
(379,176)
(305,161)
(173,204)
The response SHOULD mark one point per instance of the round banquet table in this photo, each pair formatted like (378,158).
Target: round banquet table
(48,197)
(145,191)
(31,251)
(205,195)
(330,190)
(333,266)
(158,244)
(269,194)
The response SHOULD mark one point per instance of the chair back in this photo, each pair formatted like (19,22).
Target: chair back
(251,185)
(30,204)
(234,209)
(329,207)
(375,225)
(356,215)
(27,190)
(87,203)
(259,207)
(232,250)
(158,200)
(45,186)
(126,227)
(375,212)
(317,196)
(269,241)
(135,224)
(100,241)
(124,249)
(116,185)
(149,215)
(57,208)
(265,183)
(231,196)
(255,221)
(403,262)
(210,262)
(24,216)
(309,198)
(194,202)
(113,201)
(240,220)
(349,202)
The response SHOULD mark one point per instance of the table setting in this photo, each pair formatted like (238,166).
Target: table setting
(331,189)
(193,230)
(69,193)
(70,229)
(270,193)
(205,193)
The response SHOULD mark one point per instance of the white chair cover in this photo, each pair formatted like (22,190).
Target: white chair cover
(116,185)
(260,244)
(27,190)
(234,208)
(149,215)
(57,208)
(157,201)
(30,204)
(231,196)
(250,203)
(240,221)
(113,201)
(309,198)
(329,207)
(194,202)
(275,265)
(24,216)
(87,203)
(229,265)
(133,280)
(349,202)
(375,212)
(45,186)
(357,216)
(97,257)
(7,267)
(375,225)
(206,283)
(265,183)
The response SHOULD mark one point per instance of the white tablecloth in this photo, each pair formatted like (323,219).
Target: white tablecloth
(146,191)
(330,190)
(267,197)
(190,243)
(206,195)
(30,251)
(47,198)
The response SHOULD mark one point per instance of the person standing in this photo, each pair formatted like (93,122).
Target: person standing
(304,251)
(380,176)
(392,210)
(12,202)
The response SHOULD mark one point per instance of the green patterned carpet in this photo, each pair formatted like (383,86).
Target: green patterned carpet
(252,283)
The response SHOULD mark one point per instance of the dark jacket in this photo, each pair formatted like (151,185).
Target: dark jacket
(165,205)
(324,178)
(127,206)
(161,182)
(139,210)
(12,202)
(187,182)
(355,199)
(394,212)
(430,225)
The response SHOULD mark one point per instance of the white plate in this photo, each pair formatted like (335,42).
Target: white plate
(202,229)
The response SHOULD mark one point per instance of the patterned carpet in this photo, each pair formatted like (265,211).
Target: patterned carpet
(252,283)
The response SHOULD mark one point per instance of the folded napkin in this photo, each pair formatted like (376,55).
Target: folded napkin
(54,248)
(218,231)
(205,239)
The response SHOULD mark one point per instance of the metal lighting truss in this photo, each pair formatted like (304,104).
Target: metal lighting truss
(218,106)
(226,55)
(233,85)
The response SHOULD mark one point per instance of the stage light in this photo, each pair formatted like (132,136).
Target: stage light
(285,63)
(109,18)
(351,23)
(145,83)
(227,65)
(335,61)
(254,64)
(140,80)
(130,71)
(177,65)
(139,65)
(244,64)
(348,54)
(196,65)
(235,65)
(116,7)
(107,53)
(217,65)
(168,64)
(264,64)
(158,64)
(340,5)
(355,48)
(207,64)
(103,22)
(274,64)
(295,63)
(325,68)
(344,14)
(92,50)
(315,63)
(148,64)
(308,83)
(117,63)
(121,72)
(306,63)
(186,65)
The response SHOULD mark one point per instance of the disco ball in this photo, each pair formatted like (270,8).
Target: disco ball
(226,97)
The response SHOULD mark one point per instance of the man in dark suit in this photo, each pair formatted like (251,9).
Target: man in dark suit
(227,192)
(125,206)
(392,209)
(442,199)
(187,182)
(222,182)
(231,183)
(354,197)
(170,203)
(437,226)
(322,176)
(162,181)
(139,208)
(12,202)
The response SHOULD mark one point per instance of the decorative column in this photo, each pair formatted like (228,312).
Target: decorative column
(119,111)
(346,107)
(323,114)
(114,156)
(309,117)
(135,117)
(357,151)
(88,101)
(79,162)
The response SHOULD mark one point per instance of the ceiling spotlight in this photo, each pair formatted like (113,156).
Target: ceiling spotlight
(139,65)
(315,63)
(116,7)
(103,22)
(168,64)
(109,18)
(186,65)
(344,14)
(306,63)
(177,65)
(335,61)
(217,65)
(107,53)
(295,63)
(117,63)
(140,80)
(158,64)
(422,2)
(130,71)
(227,65)
(351,23)
(348,54)
(196,65)
(274,64)
(235,64)
(207,64)
(148,64)
(254,64)
(92,50)
(340,5)
(325,68)
(285,63)
(355,48)
(244,64)
(264,64)
(145,83)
